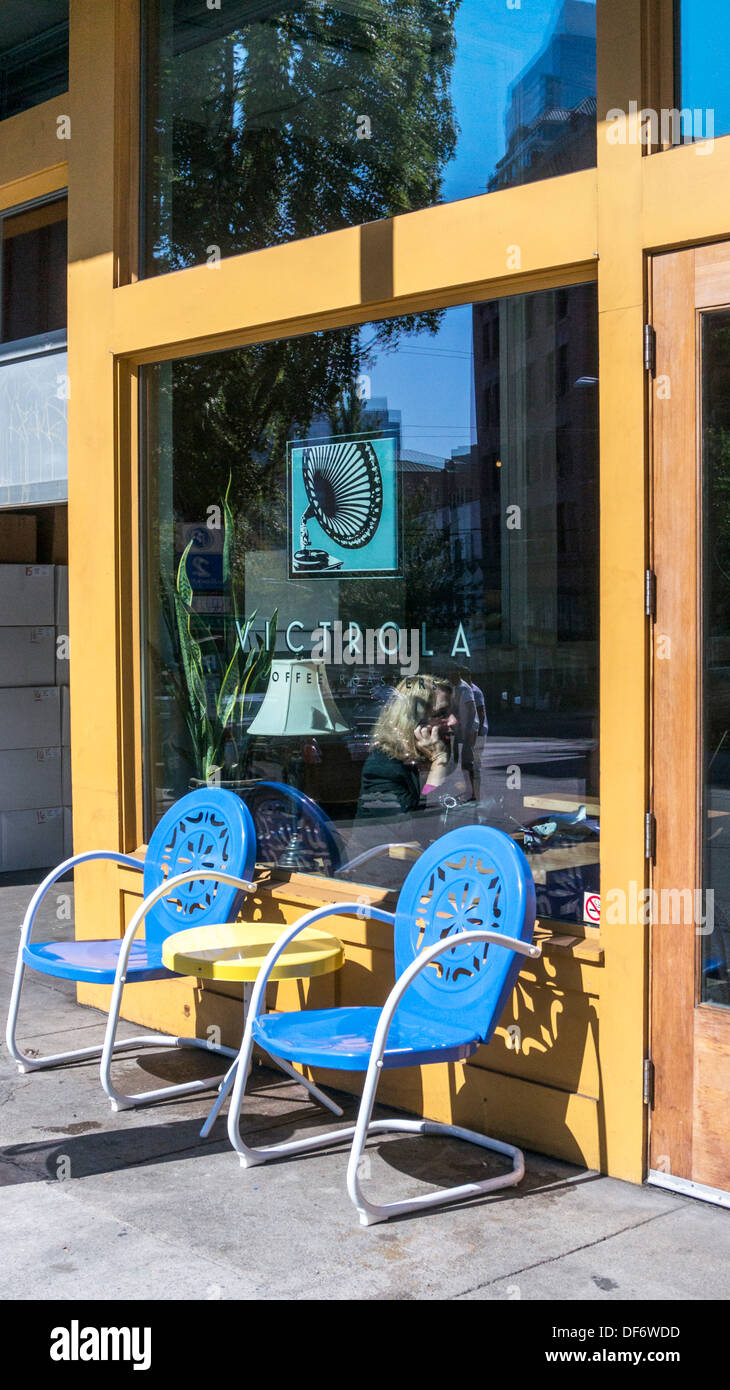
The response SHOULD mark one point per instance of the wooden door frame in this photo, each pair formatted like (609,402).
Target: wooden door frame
(688,1038)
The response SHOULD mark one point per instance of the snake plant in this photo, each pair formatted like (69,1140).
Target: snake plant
(219,674)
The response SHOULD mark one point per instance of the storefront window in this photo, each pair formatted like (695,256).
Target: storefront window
(702,92)
(33,53)
(715,327)
(34,387)
(266,122)
(33,261)
(371,587)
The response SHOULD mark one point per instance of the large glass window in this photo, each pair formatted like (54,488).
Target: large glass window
(371,587)
(702,90)
(715,331)
(33,53)
(33,260)
(33,362)
(266,121)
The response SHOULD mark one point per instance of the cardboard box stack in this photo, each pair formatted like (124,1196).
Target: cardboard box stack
(35,783)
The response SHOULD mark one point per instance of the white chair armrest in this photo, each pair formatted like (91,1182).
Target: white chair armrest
(85,857)
(494,938)
(373,853)
(164,890)
(363,910)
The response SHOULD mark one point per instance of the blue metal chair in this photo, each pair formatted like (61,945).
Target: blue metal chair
(293,832)
(197,870)
(464,918)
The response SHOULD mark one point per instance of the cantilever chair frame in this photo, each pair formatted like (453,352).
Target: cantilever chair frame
(107,1050)
(369,1212)
(110,1045)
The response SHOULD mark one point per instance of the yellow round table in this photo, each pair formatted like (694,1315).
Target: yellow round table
(237,951)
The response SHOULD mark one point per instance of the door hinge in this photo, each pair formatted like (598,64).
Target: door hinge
(648,1082)
(650,349)
(650,595)
(650,836)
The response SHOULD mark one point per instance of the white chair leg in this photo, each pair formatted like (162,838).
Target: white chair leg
(25,1062)
(248,1157)
(84,1054)
(122,1101)
(309,1086)
(288,1070)
(370,1212)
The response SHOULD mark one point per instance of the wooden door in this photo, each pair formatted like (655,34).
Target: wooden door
(690,905)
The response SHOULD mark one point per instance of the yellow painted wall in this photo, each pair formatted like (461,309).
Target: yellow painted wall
(33,160)
(571,1090)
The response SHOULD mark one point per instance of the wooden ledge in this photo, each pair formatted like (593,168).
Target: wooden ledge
(555,941)
(310,891)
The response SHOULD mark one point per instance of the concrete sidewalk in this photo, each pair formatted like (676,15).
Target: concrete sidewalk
(97,1205)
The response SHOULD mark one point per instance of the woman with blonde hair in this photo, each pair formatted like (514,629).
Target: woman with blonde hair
(413,728)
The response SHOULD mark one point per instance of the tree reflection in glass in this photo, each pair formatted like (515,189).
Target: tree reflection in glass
(265,122)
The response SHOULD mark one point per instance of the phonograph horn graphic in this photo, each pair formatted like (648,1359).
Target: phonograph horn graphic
(345,495)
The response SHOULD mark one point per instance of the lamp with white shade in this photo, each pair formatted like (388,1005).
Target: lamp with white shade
(298,704)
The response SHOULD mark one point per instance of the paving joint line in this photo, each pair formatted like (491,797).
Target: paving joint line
(552,1259)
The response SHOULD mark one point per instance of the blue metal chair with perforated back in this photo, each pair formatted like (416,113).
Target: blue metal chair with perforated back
(293,832)
(465,918)
(208,832)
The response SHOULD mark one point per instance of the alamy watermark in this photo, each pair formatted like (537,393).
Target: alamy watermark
(87,1343)
(338,645)
(660,907)
(670,126)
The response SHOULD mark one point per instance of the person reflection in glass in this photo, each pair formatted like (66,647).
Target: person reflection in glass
(467,726)
(413,729)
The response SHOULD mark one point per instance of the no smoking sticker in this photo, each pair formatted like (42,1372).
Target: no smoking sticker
(592,907)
